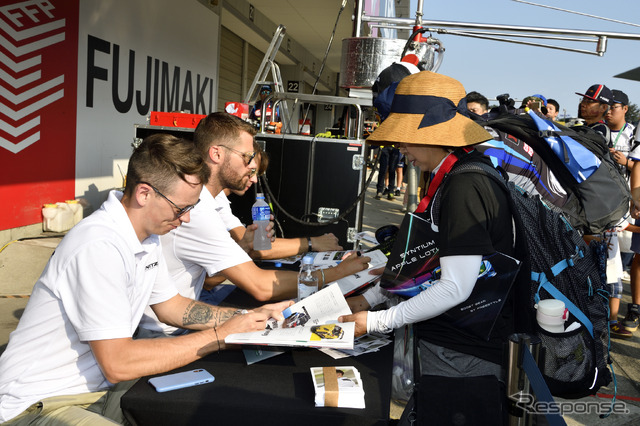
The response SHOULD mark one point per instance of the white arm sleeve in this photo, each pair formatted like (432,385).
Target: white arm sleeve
(459,275)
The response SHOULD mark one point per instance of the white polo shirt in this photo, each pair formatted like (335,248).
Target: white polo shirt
(95,287)
(202,246)
(227,216)
(622,139)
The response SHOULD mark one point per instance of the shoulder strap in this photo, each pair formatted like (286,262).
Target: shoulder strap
(540,387)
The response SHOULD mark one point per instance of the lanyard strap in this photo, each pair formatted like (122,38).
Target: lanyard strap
(619,132)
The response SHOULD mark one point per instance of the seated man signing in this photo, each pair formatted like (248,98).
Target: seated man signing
(73,345)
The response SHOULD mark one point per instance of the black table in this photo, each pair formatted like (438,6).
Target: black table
(276,391)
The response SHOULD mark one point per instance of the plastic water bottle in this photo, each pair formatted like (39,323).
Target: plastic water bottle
(307,282)
(261,214)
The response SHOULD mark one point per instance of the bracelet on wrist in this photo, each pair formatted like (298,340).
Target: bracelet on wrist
(310,246)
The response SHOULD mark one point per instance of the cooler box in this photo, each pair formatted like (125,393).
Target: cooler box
(175,119)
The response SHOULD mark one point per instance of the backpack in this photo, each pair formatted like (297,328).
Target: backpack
(557,263)
(593,204)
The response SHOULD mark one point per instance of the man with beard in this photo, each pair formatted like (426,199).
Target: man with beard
(280,247)
(205,247)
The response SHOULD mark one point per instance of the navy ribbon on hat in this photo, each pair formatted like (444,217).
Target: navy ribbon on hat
(436,109)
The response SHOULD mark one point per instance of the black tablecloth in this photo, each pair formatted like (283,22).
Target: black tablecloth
(276,391)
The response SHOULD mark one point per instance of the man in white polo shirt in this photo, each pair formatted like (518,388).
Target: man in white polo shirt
(280,247)
(204,246)
(74,340)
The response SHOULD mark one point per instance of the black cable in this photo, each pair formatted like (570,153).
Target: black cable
(408,43)
(265,184)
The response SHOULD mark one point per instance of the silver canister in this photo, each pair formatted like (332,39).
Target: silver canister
(363,58)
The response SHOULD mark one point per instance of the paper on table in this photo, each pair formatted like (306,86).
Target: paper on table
(352,283)
(317,336)
(310,322)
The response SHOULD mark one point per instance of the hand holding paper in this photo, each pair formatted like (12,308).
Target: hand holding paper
(360,318)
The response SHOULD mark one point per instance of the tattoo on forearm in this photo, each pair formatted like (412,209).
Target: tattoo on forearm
(197,313)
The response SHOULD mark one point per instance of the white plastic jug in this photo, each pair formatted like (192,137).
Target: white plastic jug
(49,213)
(66,216)
(551,315)
(76,209)
(57,217)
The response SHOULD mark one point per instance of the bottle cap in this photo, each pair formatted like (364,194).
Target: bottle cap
(307,260)
(260,195)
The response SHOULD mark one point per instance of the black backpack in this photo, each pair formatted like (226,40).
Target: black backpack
(595,204)
(557,263)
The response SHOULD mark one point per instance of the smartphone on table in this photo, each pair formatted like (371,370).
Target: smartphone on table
(181,380)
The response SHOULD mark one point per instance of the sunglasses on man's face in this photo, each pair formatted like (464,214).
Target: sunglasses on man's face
(246,156)
(181,211)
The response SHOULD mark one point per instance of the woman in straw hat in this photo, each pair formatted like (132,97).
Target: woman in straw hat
(426,123)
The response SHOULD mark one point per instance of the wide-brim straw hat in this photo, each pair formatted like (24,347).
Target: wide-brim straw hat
(426,111)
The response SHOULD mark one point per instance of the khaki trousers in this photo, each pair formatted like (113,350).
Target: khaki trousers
(95,408)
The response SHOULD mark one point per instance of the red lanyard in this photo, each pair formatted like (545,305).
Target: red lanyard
(444,169)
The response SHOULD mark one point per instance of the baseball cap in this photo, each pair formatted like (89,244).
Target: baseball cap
(599,93)
(620,97)
(542,98)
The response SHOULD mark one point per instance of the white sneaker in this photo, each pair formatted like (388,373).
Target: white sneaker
(626,278)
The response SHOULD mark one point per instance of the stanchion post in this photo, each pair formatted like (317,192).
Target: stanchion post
(519,390)
(412,188)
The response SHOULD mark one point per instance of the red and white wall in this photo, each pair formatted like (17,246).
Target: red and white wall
(76,76)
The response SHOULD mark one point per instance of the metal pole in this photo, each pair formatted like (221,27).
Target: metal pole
(358,20)
(412,188)
(542,30)
(519,391)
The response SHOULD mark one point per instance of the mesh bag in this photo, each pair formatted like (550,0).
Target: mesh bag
(569,360)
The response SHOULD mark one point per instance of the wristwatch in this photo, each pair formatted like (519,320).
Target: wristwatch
(310,245)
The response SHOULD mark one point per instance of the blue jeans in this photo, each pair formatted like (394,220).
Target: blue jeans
(217,294)
(389,157)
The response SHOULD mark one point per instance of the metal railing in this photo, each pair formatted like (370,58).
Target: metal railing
(499,32)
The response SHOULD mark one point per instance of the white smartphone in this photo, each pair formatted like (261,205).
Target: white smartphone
(181,380)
